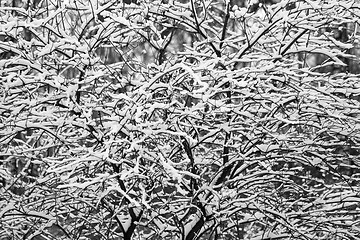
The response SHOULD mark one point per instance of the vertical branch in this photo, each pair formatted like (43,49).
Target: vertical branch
(225,172)
(193,233)
(226,21)
(226,151)
(81,78)
(188,151)
(162,50)
(134,218)
(198,28)
(195,230)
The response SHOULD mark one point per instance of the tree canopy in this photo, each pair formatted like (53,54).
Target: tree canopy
(179,119)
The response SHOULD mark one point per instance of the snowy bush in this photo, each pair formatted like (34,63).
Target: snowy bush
(179,119)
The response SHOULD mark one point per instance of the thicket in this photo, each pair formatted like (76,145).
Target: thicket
(179,119)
